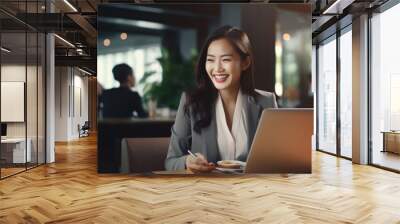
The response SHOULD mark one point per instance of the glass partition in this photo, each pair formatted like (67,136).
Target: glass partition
(14,153)
(22,90)
(327,96)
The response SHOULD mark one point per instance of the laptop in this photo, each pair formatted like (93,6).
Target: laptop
(282,142)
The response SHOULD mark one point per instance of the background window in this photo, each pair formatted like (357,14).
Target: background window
(385,84)
(346,94)
(327,96)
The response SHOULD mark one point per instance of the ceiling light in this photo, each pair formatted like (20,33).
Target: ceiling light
(5,50)
(84,71)
(79,51)
(106,42)
(70,5)
(149,25)
(124,36)
(136,23)
(338,6)
(65,41)
(286,36)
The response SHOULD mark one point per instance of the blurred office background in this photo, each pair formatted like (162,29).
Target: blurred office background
(161,44)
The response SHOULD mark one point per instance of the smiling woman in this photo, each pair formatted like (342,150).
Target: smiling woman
(199,67)
(217,119)
(224,65)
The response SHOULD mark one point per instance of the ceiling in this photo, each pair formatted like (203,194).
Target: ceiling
(76,20)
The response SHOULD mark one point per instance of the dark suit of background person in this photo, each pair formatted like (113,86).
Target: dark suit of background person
(183,136)
(122,102)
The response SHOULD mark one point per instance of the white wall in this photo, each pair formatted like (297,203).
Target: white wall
(13,73)
(61,103)
(71,102)
(80,112)
(33,126)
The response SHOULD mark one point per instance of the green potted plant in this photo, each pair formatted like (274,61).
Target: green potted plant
(176,77)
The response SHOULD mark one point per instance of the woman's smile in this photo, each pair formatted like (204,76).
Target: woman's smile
(223,65)
(220,78)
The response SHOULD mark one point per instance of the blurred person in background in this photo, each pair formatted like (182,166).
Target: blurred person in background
(122,102)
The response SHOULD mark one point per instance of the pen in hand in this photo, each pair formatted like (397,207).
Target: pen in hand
(193,155)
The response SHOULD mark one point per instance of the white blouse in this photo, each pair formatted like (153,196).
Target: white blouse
(232,144)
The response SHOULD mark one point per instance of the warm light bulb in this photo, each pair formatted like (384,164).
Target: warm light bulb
(286,36)
(124,36)
(106,42)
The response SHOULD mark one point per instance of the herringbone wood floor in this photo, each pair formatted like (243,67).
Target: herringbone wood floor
(71,191)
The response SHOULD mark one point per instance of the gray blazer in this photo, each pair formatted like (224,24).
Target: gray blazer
(183,136)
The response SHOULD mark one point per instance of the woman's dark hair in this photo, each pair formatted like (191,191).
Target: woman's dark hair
(121,72)
(202,98)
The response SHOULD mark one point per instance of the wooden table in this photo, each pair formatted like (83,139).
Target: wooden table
(189,173)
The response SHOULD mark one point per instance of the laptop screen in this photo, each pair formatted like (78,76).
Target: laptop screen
(3,129)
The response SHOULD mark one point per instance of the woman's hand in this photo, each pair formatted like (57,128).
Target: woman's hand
(199,164)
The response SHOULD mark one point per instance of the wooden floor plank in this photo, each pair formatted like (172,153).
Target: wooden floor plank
(71,191)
